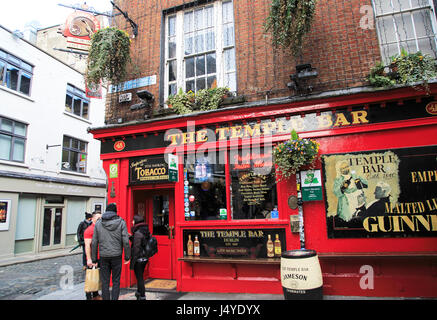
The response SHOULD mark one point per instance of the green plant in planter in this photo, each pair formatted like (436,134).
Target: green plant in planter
(290,156)
(405,68)
(108,56)
(205,99)
(181,103)
(210,99)
(289,21)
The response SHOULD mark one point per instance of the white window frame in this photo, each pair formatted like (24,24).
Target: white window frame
(180,57)
(408,15)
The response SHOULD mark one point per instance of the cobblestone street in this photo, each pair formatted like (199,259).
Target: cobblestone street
(28,281)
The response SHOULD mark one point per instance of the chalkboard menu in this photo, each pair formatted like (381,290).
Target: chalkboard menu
(241,243)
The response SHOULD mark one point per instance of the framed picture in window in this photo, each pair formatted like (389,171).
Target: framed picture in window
(5,214)
(98,207)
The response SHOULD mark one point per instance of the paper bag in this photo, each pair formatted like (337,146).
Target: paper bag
(92,280)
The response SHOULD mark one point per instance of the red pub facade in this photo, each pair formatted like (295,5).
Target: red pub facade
(216,208)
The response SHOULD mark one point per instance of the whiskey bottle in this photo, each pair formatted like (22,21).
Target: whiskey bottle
(190,246)
(270,248)
(196,247)
(278,249)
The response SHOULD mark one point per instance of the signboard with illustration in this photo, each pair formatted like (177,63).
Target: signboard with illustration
(382,193)
(148,170)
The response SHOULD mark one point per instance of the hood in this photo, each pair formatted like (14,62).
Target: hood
(110,220)
(142,227)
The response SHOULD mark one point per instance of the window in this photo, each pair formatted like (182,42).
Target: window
(405,24)
(12,140)
(76,102)
(200,48)
(15,73)
(206,194)
(74,155)
(253,185)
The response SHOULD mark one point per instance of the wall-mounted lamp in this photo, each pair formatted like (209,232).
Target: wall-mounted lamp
(299,80)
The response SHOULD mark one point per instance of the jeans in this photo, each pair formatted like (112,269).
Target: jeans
(108,265)
(139,274)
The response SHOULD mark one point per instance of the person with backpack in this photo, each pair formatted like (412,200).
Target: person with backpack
(139,258)
(83,225)
(110,239)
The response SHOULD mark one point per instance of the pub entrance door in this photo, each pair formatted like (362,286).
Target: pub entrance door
(157,207)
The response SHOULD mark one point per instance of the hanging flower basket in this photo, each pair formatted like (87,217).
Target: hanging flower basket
(291,155)
(108,56)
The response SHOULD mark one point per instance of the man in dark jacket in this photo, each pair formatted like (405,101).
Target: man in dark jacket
(110,238)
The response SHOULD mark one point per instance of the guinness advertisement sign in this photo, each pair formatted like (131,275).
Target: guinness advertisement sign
(144,170)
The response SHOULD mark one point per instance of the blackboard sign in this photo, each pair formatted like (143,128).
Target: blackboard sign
(382,193)
(238,243)
(148,170)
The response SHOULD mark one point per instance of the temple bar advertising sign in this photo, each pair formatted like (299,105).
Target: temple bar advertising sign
(148,170)
(237,243)
(385,193)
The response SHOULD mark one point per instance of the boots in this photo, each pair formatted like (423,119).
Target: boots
(139,297)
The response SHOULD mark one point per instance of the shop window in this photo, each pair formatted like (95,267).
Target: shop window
(15,73)
(405,24)
(206,187)
(253,184)
(200,48)
(74,155)
(76,102)
(12,140)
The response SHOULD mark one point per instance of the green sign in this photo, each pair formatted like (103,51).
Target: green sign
(173,168)
(113,170)
(311,182)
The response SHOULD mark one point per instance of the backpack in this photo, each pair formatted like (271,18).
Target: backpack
(83,225)
(150,247)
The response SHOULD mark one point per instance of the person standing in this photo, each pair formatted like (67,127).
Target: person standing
(110,238)
(83,225)
(140,236)
(88,237)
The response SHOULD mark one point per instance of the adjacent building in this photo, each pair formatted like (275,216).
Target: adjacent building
(50,170)
(372,209)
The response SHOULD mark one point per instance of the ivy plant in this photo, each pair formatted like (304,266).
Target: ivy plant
(289,21)
(108,56)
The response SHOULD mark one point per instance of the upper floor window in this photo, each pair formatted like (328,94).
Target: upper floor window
(15,73)
(74,155)
(200,48)
(405,24)
(12,140)
(76,102)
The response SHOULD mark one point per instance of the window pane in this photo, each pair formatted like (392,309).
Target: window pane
(66,142)
(229,59)
(253,184)
(189,86)
(228,12)
(209,17)
(68,103)
(2,71)
(404,26)
(231,81)
(18,152)
(74,159)
(427,46)
(188,45)
(382,6)
(206,187)
(401,5)
(210,40)
(422,22)
(65,160)
(212,82)
(171,26)
(172,89)
(210,63)
(228,35)
(198,43)
(172,71)
(12,77)
(20,129)
(172,47)
(189,68)
(200,65)
(77,106)
(188,22)
(198,19)
(7,125)
(75,144)
(25,83)
(85,109)
(200,84)
(386,29)
(5,146)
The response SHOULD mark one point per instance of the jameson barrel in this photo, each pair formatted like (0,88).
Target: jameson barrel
(301,276)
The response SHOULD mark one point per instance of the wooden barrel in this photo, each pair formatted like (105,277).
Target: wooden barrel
(301,276)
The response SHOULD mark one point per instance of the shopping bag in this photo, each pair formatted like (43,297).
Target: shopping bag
(93,282)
